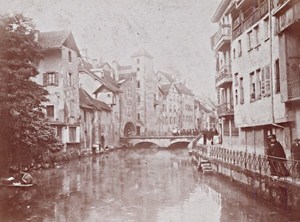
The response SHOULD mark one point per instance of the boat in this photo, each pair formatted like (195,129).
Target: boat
(17,185)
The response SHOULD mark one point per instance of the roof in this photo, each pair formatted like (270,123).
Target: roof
(220,11)
(142,52)
(182,89)
(56,39)
(201,106)
(86,101)
(168,76)
(166,87)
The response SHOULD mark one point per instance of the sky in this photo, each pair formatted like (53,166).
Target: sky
(175,32)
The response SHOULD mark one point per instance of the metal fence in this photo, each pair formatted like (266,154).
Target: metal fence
(262,164)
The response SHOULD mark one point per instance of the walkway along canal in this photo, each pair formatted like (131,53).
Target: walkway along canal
(253,174)
(146,185)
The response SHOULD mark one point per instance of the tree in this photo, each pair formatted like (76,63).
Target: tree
(24,132)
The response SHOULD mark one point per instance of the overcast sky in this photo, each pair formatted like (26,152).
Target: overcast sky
(175,32)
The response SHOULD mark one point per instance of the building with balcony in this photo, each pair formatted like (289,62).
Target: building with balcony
(287,27)
(221,44)
(255,65)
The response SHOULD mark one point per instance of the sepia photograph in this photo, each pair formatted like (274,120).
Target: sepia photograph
(150,110)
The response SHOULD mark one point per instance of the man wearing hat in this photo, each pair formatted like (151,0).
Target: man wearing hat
(276,157)
(296,155)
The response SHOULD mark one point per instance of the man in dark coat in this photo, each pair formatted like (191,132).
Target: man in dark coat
(296,155)
(276,157)
(204,133)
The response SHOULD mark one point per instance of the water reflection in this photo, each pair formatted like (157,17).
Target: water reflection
(133,185)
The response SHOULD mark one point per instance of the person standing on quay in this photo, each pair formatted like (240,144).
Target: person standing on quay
(296,155)
(276,157)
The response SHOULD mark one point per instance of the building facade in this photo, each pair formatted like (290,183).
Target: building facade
(59,75)
(258,54)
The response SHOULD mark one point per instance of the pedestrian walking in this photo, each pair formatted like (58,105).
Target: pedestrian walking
(276,157)
(296,156)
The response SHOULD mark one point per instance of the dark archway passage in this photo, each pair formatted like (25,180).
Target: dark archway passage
(129,129)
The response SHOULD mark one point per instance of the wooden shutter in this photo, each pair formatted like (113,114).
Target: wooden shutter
(56,78)
(263,88)
(267,80)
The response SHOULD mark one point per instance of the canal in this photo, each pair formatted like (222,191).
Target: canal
(133,185)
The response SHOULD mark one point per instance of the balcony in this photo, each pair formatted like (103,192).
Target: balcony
(288,14)
(293,79)
(220,41)
(223,77)
(225,109)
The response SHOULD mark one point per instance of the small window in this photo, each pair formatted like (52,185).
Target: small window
(138,61)
(239,48)
(138,116)
(70,78)
(131,79)
(138,84)
(277,76)
(138,69)
(50,79)
(72,134)
(70,56)
(108,95)
(50,111)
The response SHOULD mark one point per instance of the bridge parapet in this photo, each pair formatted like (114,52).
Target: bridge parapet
(161,141)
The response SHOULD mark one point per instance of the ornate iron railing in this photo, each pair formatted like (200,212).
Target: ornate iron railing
(262,164)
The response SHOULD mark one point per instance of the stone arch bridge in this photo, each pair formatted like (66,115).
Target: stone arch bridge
(159,141)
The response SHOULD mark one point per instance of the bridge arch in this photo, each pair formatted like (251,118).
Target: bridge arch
(178,144)
(129,129)
(145,144)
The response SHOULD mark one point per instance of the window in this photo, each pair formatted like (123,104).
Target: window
(267,81)
(129,110)
(239,48)
(72,134)
(266,28)
(70,56)
(138,69)
(138,84)
(258,83)
(84,116)
(108,95)
(233,53)
(277,76)
(129,92)
(59,132)
(252,87)
(70,78)
(241,91)
(236,81)
(250,40)
(50,111)
(50,79)
(138,98)
(256,35)
(131,79)
(137,61)
(138,116)
(236,97)
(170,120)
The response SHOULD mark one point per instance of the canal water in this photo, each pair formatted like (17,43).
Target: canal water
(133,185)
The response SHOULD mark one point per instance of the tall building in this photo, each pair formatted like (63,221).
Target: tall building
(287,69)
(258,68)
(59,75)
(221,45)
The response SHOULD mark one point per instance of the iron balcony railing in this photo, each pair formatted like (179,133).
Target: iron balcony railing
(223,76)
(251,16)
(223,34)
(225,109)
(293,78)
(262,164)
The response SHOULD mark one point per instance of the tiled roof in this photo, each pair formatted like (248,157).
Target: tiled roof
(142,52)
(56,39)
(168,76)
(182,89)
(202,106)
(86,101)
(166,87)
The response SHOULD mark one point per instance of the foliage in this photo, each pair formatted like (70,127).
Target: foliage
(24,132)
